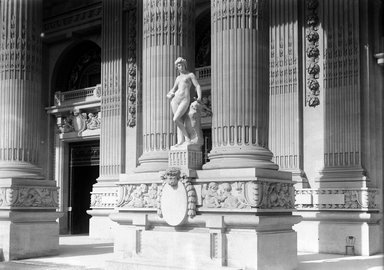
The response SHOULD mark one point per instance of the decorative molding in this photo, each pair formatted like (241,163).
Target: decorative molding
(79,17)
(312,53)
(29,197)
(104,199)
(337,199)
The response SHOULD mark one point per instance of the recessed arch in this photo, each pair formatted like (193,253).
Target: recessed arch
(79,66)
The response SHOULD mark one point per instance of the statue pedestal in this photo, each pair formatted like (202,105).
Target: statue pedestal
(188,156)
(236,219)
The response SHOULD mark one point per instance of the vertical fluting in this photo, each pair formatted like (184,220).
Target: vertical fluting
(342,84)
(168,32)
(20,87)
(284,132)
(113,92)
(240,94)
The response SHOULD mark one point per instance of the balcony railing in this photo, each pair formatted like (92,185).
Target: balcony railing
(81,95)
(203,73)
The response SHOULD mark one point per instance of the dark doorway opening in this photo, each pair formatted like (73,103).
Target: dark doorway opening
(84,170)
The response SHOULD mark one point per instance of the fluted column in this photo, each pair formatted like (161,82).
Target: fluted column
(113,92)
(168,32)
(240,89)
(20,88)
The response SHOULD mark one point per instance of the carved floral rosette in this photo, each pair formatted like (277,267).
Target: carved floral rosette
(29,197)
(337,199)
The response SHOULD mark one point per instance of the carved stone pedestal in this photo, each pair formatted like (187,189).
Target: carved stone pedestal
(28,226)
(234,219)
(186,156)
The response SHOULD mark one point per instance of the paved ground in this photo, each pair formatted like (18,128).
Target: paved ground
(80,253)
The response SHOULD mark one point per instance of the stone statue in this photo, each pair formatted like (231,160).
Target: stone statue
(186,116)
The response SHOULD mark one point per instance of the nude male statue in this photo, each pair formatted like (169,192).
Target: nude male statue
(180,98)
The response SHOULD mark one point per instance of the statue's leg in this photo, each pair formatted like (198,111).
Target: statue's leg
(179,121)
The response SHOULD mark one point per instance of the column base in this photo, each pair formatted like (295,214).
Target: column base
(153,161)
(20,170)
(28,234)
(351,177)
(321,232)
(240,157)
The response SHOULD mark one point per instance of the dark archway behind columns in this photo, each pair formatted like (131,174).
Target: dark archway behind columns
(203,38)
(79,66)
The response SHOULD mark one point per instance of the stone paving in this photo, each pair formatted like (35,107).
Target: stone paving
(81,252)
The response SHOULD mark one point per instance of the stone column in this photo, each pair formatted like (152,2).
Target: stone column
(285,111)
(168,32)
(112,133)
(25,230)
(240,92)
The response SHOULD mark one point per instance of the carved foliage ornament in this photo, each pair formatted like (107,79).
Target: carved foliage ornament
(132,97)
(28,197)
(312,53)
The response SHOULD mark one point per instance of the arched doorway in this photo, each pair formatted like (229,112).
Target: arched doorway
(76,82)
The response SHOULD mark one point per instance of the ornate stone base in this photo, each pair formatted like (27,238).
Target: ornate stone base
(186,156)
(236,219)
(28,226)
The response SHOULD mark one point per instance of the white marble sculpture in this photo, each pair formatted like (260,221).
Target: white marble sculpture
(185,115)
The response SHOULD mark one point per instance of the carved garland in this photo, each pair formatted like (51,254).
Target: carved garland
(132,66)
(312,53)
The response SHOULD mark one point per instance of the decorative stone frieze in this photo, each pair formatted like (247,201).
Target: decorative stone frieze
(79,122)
(83,16)
(103,199)
(28,197)
(235,195)
(337,199)
(138,195)
(248,194)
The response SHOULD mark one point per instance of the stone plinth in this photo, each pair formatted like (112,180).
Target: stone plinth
(243,219)
(28,226)
(186,156)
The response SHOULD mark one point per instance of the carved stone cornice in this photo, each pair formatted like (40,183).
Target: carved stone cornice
(363,199)
(28,197)
(74,18)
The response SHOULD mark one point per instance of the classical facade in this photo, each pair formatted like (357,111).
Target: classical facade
(291,115)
